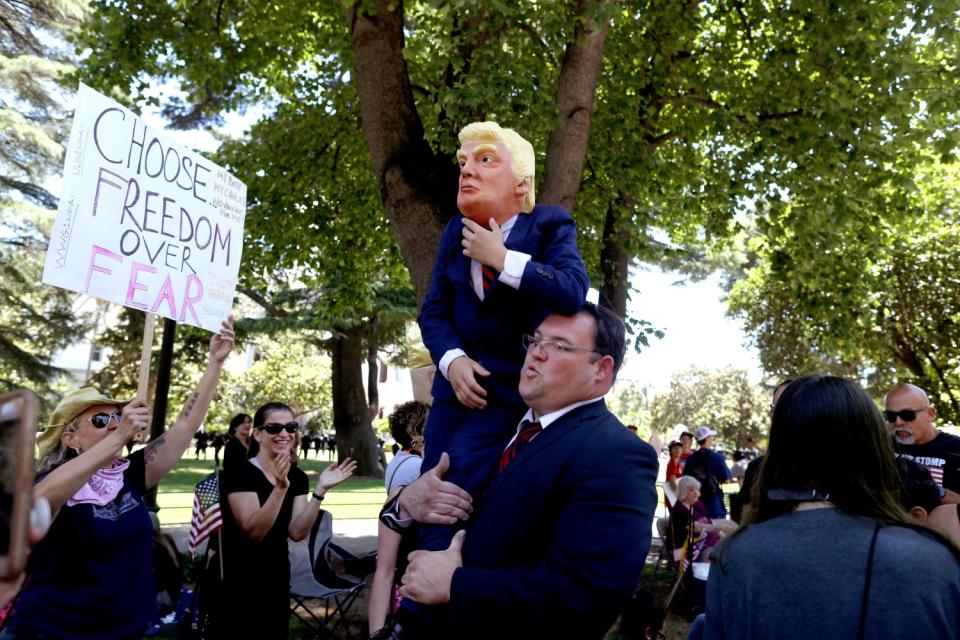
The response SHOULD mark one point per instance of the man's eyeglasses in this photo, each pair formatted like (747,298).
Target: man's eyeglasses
(101,420)
(273,428)
(907,415)
(552,347)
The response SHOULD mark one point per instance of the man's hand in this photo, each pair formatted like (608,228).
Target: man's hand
(486,247)
(430,573)
(430,500)
(462,374)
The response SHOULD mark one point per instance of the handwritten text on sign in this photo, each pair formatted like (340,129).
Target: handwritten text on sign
(143,221)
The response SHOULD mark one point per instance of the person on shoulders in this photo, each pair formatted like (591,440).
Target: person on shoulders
(539,559)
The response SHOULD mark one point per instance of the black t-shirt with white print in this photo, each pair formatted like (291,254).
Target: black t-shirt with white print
(941,456)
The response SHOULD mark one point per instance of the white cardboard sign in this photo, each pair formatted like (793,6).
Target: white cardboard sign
(143,221)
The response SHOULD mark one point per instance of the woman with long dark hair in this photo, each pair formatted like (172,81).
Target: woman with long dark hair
(827,551)
(240,444)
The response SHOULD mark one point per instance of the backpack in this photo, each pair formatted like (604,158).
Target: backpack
(698,466)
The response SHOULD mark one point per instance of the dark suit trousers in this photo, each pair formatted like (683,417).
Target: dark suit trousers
(474,440)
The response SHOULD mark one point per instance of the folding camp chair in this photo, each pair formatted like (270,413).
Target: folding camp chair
(667,556)
(312,578)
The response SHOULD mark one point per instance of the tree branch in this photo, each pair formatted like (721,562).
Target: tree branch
(261,300)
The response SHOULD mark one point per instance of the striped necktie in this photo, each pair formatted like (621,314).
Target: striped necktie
(527,432)
(490,276)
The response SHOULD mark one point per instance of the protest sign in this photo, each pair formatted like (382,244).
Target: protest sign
(143,221)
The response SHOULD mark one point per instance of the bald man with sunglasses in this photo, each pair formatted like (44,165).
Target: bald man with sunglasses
(910,416)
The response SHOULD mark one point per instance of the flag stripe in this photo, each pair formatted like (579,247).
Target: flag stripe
(206,518)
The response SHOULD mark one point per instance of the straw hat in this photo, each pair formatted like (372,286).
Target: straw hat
(72,405)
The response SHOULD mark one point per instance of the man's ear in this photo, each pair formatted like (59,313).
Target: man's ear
(523,187)
(933,412)
(605,369)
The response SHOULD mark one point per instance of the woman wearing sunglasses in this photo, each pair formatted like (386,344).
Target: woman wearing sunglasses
(91,576)
(266,502)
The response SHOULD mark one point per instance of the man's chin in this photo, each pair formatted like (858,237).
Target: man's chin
(910,439)
(483,219)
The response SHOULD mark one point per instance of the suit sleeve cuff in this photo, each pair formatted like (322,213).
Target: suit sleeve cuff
(513,266)
(447,358)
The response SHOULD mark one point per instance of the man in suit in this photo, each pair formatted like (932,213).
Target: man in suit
(502,266)
(560,538)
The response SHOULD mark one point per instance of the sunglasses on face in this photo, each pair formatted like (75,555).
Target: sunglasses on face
(101,420)
(274,428)
(907,415)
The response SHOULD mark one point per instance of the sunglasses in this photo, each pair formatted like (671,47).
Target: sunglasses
(907,415)
(273,428)
(101,420)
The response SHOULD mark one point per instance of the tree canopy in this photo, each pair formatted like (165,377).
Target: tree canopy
(882,305)
(668,129)
(699,107)
(724,400)
(36,320)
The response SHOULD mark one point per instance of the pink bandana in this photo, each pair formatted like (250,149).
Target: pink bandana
(103,486)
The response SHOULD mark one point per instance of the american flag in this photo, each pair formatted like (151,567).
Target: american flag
(206,519)
(692,549)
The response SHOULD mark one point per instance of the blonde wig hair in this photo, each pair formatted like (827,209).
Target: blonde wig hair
(523,161)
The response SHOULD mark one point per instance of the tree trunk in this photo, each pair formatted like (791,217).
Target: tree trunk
(576,86)
(417,187)
(351,413)
(373,376)
(373,369)
(614,264)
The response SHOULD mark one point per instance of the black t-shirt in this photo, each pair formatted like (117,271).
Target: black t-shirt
(941,456)
(258,563)
(235,454)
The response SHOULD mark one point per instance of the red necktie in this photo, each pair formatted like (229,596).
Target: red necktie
(489,277)
(527,431)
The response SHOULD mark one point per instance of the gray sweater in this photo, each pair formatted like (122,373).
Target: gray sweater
(802,575)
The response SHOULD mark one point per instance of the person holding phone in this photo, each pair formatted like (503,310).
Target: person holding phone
(264,502)
(91,576)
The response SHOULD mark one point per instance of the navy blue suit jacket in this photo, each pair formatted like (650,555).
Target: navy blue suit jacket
(561,536)
(490,330)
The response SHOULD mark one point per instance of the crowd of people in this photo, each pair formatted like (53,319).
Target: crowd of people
(518,505)
(237,435)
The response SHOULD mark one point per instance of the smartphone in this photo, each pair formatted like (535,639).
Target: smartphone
(18,425)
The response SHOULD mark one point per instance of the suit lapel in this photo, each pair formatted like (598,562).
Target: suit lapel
(517,241)
(519,235)
(581,417)
(460,267)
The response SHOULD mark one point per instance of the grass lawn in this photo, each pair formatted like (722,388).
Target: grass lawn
(357,498)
